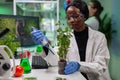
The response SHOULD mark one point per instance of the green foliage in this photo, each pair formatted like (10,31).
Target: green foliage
(60,78)
(8,23)
(8,41)
(106,28)
(63,40)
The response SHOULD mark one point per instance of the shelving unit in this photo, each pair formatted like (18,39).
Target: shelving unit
(46,10)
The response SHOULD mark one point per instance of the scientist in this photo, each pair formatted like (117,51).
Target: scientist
(88,51)
(95,9)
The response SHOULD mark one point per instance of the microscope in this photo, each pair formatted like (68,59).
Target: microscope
(5,63)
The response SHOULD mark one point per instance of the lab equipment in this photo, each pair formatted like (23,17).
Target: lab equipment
(40,38)
(71,67)
(39,63)
(39,49)
(26,65)
(16,28)
(19,71)
(5,65)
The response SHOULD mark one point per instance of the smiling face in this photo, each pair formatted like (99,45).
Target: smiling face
(75,18)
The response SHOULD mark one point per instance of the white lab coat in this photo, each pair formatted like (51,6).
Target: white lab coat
(97,56)
(93,22)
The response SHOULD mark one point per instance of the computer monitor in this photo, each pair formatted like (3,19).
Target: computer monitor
(20,26)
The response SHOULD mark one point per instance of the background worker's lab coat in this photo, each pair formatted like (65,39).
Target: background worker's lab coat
(97,56)
(92,22)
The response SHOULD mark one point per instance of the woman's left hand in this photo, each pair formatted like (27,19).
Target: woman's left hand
(71,67)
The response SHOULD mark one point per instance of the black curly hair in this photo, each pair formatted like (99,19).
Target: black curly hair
(81,5)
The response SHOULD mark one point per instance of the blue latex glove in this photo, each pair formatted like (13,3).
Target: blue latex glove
(71,67)
(38,37)
(65,4)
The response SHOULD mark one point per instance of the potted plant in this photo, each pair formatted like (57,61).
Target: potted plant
(63,42)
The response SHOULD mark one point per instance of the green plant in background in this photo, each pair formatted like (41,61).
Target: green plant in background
(63,40)
(106,28)
(8,23)
(8,40)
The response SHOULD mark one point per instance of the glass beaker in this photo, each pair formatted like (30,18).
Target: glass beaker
(26,65)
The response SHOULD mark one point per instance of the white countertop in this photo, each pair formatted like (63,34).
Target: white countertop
(50,74)
(47,74)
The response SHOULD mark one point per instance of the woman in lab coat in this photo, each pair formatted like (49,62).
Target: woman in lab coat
(88,52)
(95,9)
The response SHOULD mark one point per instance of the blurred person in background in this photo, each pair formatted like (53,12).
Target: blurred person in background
(95,9)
